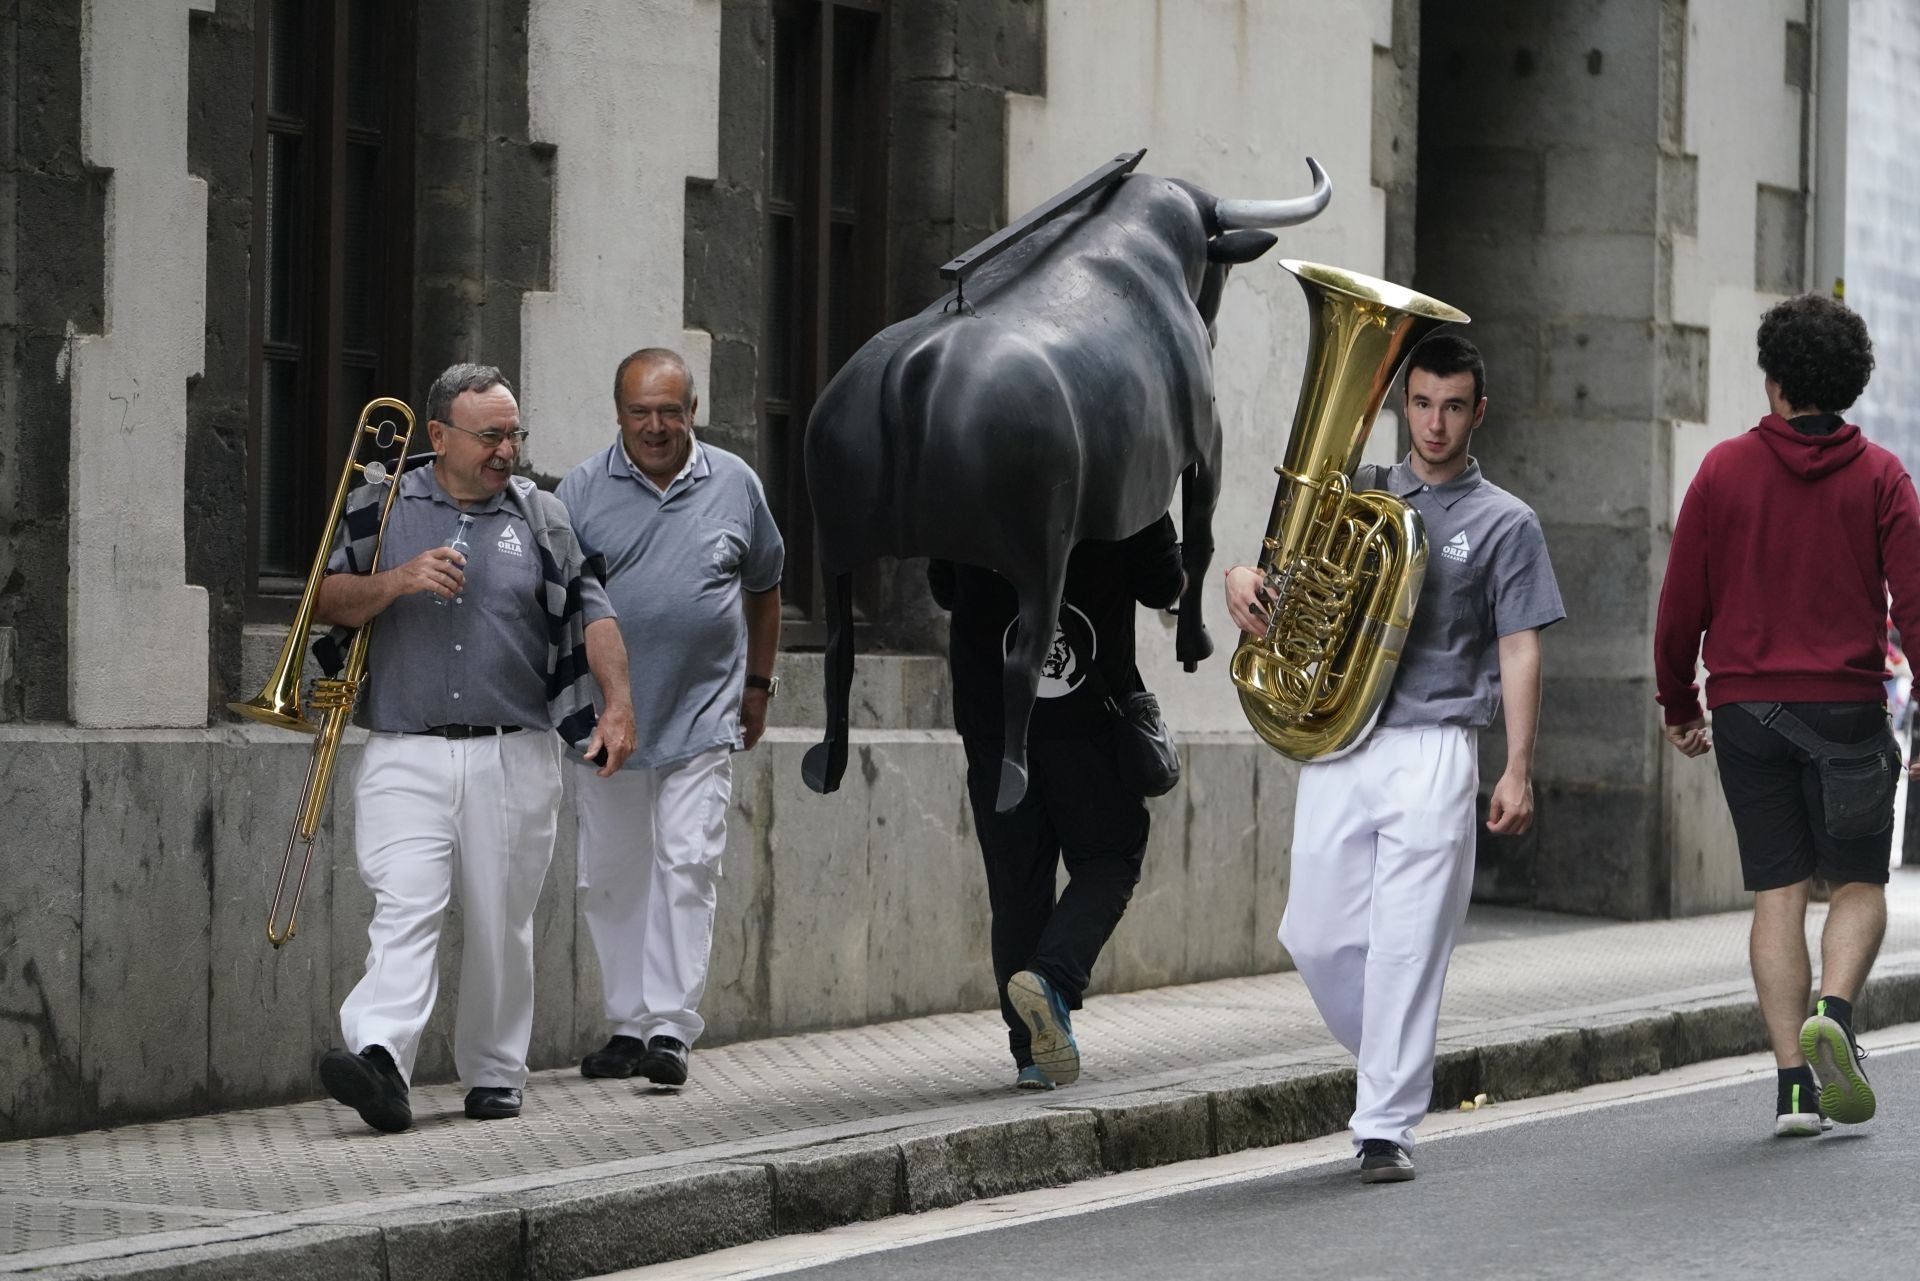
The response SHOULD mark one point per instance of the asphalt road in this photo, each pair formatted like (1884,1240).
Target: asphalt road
(1691,1185)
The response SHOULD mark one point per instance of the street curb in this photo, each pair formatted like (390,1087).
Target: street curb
(591,1226)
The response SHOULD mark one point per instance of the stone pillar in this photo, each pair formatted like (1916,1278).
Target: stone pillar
(1540,168)
(137,640)
(630,109)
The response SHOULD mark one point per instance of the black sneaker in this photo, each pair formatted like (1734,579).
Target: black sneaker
(619,1057)
(370,1083)
(1830,1049)
(1384,1161)
(1796,1111)
(665,1062)
(493,1102)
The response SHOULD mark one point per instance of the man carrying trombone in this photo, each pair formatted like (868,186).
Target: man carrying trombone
(476,654)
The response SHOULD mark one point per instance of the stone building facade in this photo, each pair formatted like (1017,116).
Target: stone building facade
(226,223)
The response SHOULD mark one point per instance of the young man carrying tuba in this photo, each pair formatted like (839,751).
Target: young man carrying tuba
(1383,836)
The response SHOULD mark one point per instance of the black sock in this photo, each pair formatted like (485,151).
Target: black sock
(1801,1076)
(1837,1008)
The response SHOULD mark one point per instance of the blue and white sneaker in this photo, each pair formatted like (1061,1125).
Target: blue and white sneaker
(1032,1078)
(1045,1014)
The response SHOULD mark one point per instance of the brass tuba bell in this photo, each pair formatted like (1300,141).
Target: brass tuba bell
(1343,568)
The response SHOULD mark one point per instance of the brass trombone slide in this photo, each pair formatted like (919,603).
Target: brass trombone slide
(388,424)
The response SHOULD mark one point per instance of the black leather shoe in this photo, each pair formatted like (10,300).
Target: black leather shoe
(665,1062)
(1384,1161)
(619,1057)
(370,1084)
(493,1102)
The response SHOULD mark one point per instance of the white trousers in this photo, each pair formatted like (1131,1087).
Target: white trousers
(650,846)
(1382,868)
(433,817)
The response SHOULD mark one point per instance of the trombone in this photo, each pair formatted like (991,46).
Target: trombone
(385,428)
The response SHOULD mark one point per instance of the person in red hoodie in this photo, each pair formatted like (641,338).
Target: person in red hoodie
(1788,544)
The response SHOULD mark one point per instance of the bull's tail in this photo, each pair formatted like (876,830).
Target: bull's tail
(826,761)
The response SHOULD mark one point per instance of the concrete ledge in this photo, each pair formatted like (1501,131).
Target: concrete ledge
(585,1229)
(592,1225)
(344,1254)
(837,1183)
(1155,1127)
(971,1162)
(453,1242)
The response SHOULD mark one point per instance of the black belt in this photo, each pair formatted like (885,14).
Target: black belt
(466,731)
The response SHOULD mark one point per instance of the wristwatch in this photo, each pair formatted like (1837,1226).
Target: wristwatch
(769,683)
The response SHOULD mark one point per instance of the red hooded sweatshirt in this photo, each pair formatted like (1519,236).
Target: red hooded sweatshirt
(1785,551)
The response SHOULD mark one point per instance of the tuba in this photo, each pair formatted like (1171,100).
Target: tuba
(1343,568)
(388,425)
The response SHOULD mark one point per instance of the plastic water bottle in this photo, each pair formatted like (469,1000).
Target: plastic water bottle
(458,543)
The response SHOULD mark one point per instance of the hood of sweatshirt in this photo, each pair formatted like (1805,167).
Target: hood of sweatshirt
(1811,457)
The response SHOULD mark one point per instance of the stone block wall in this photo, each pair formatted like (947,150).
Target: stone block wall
(220,131)
(1544,197)
(138,982)
(483,199)
(52,285)
(1883,213)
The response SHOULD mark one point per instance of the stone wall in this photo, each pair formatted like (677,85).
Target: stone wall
(220,124)
(136,623)
(52,263)
(137,982)
(1882,265)
(483,196)
(1608,189)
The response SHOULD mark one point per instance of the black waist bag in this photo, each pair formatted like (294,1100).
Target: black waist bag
(1856,779)
(1149,763)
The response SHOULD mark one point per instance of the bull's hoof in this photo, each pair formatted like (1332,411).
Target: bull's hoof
(1192,647)
(823,766)
(1013,786)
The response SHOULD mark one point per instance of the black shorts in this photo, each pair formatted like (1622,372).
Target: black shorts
(1774,794)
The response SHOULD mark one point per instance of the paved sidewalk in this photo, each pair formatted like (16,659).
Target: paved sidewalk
(802,1132)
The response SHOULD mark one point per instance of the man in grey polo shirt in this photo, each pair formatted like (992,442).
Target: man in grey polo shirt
(693,563)
(470,663)
(1383,837)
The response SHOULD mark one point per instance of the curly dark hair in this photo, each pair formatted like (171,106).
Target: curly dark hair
(1817,349)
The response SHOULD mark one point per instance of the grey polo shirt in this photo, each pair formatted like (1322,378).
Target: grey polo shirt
(480,659)
(676,565)
(1488,576)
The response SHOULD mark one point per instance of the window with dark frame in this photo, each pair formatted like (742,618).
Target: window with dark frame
(826,250)
(332,259)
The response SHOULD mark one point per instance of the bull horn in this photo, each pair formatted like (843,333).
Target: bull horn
(1236,215)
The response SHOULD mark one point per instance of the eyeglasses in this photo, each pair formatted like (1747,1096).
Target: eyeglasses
(666,415)
(492,437)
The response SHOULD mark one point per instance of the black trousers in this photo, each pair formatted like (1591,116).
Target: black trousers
(1076,809)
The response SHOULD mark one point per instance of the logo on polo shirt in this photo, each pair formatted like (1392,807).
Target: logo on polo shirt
(1457,547)
(510,543)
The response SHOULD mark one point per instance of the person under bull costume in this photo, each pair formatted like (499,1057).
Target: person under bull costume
(1026,435)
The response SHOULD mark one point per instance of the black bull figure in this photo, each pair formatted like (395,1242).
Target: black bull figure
(1062,405)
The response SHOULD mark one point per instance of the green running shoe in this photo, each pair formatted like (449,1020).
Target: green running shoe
(1828,1044)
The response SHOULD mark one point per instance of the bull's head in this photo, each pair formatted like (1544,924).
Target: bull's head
(1232,237)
